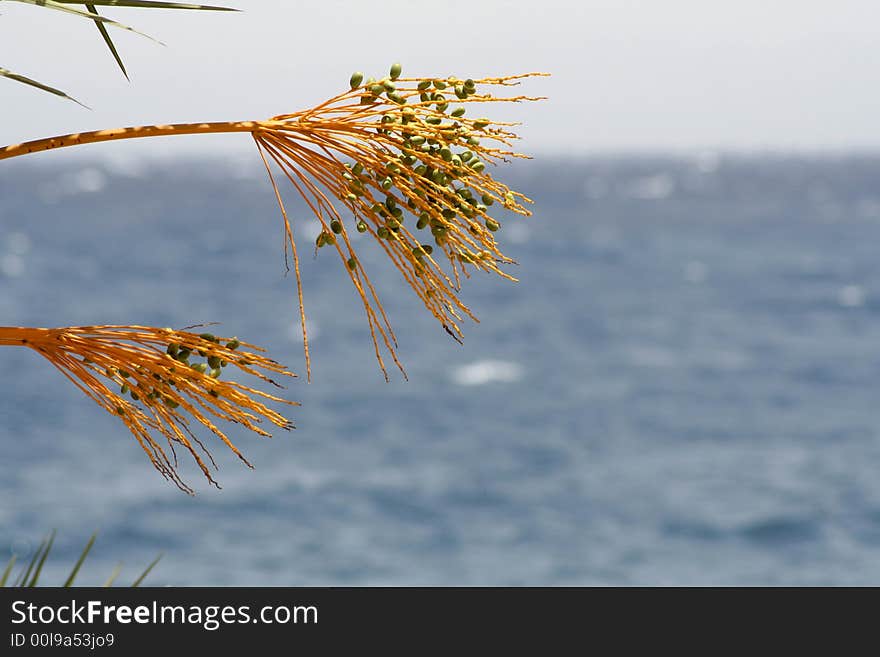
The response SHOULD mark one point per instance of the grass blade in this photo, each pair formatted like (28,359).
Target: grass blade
(6,73)
(20,581)
(79,562)
(6,571)
(113,576)
(39,569)
(106,36)
(146,572)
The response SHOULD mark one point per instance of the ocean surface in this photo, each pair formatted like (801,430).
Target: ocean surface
(682,389)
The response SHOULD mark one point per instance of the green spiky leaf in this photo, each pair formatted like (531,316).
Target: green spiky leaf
(65,7)
(91,12)
(92,7)
(106,36)
(148,4)
(6,73)
(144,4)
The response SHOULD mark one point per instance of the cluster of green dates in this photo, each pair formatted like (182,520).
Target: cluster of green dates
(376,88)
(418,162)
(212,366)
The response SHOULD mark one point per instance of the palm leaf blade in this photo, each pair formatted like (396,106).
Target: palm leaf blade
(106,36)
(65,7)
(6,73)
(148,4)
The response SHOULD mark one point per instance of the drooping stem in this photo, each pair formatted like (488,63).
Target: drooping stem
(17,336)
(133,132)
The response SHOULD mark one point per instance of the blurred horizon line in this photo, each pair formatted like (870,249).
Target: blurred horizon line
(241,153)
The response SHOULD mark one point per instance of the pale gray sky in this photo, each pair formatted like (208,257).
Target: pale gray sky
(628,75)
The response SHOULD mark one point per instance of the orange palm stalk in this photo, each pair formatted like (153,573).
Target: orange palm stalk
(406,161)
(160,390)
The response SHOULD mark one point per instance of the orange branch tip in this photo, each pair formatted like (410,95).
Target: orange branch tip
(159,382)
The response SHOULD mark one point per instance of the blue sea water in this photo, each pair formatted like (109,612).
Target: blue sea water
(681,389)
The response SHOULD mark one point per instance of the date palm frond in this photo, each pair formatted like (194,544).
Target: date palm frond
(402,160)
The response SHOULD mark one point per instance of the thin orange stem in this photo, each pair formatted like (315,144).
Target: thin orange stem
(16,336)
(134,132)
